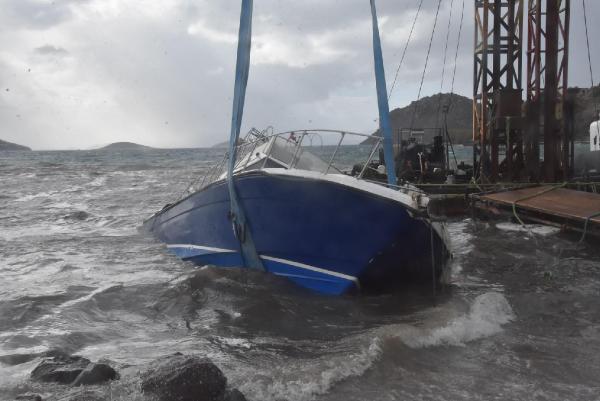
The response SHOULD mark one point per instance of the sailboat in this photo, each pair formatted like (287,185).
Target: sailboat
(273,205)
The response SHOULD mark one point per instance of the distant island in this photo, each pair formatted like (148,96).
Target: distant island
(12,146)
(221,145)
(118,146)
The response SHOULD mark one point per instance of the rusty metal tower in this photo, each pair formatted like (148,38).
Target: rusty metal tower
(547,83)
(497,90)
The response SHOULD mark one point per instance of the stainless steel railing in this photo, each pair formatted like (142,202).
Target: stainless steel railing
(298,142)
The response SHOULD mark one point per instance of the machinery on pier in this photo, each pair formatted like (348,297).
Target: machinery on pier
(507,133)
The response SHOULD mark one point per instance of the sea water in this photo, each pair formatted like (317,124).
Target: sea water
(517,320)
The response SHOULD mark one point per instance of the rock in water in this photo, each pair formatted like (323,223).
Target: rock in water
(61,369)
(79,215)
(185,378)
(76,370)
(29,397)
(83,395)
(95,373)
(234,395)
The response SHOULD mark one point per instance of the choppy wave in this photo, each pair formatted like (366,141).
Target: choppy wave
(77,275)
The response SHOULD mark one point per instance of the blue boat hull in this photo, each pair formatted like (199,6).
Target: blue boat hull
(320,234)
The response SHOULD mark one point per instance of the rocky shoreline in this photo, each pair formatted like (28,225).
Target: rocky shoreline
(175,377)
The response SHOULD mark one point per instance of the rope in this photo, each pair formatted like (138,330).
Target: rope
(462,17)
(437,118)
(585,226)
(385,125)
(437,12)
(514,204)
(412,28)
(587,39)
(237,214)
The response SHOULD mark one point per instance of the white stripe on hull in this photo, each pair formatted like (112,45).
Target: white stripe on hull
(272,259)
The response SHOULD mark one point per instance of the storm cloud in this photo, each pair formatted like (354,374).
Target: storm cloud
(77,74)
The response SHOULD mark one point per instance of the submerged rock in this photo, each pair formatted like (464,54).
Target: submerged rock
(62,369)
(234,395)
(187,378)
(76,370)
(29,397)
(83,395)
(96,373)
(78,215)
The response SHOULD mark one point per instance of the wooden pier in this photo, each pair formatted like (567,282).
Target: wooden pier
(553,205)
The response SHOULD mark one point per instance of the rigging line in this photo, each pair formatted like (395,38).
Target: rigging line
(412,28)
(437,12)
(437,118)
(587,39)
(462,15)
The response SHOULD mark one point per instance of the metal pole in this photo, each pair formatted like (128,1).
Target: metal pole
(335,152)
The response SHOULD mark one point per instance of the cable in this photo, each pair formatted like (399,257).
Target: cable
(437,12)
(587,39)
(462,15)
(437,118)
(412,28)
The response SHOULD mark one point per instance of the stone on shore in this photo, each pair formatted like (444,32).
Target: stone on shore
(62,368)
(95,373)
(187,378)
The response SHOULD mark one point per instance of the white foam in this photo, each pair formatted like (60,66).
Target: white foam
(537,229)
(235,342)
(486,316)
(318,377)
(29,197)
(97,182)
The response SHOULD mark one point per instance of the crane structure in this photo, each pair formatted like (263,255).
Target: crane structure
(497,90)
(547,83)
(506,133)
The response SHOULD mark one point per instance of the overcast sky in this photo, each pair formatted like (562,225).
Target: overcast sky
(83,73)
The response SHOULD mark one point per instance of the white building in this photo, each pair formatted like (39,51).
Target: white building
(595,136)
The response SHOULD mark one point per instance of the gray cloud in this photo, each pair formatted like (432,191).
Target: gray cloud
(51,50)
(35,14)
(162,73)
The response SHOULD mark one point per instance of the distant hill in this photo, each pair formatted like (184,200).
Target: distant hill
(117,146)
(460,115)
(424,114)
(12,146)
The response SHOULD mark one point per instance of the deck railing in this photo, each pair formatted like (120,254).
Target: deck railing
(296,142)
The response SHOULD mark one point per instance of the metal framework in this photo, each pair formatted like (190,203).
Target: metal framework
(497,86)
(547,83)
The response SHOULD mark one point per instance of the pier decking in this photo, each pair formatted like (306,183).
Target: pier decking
(556,205)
